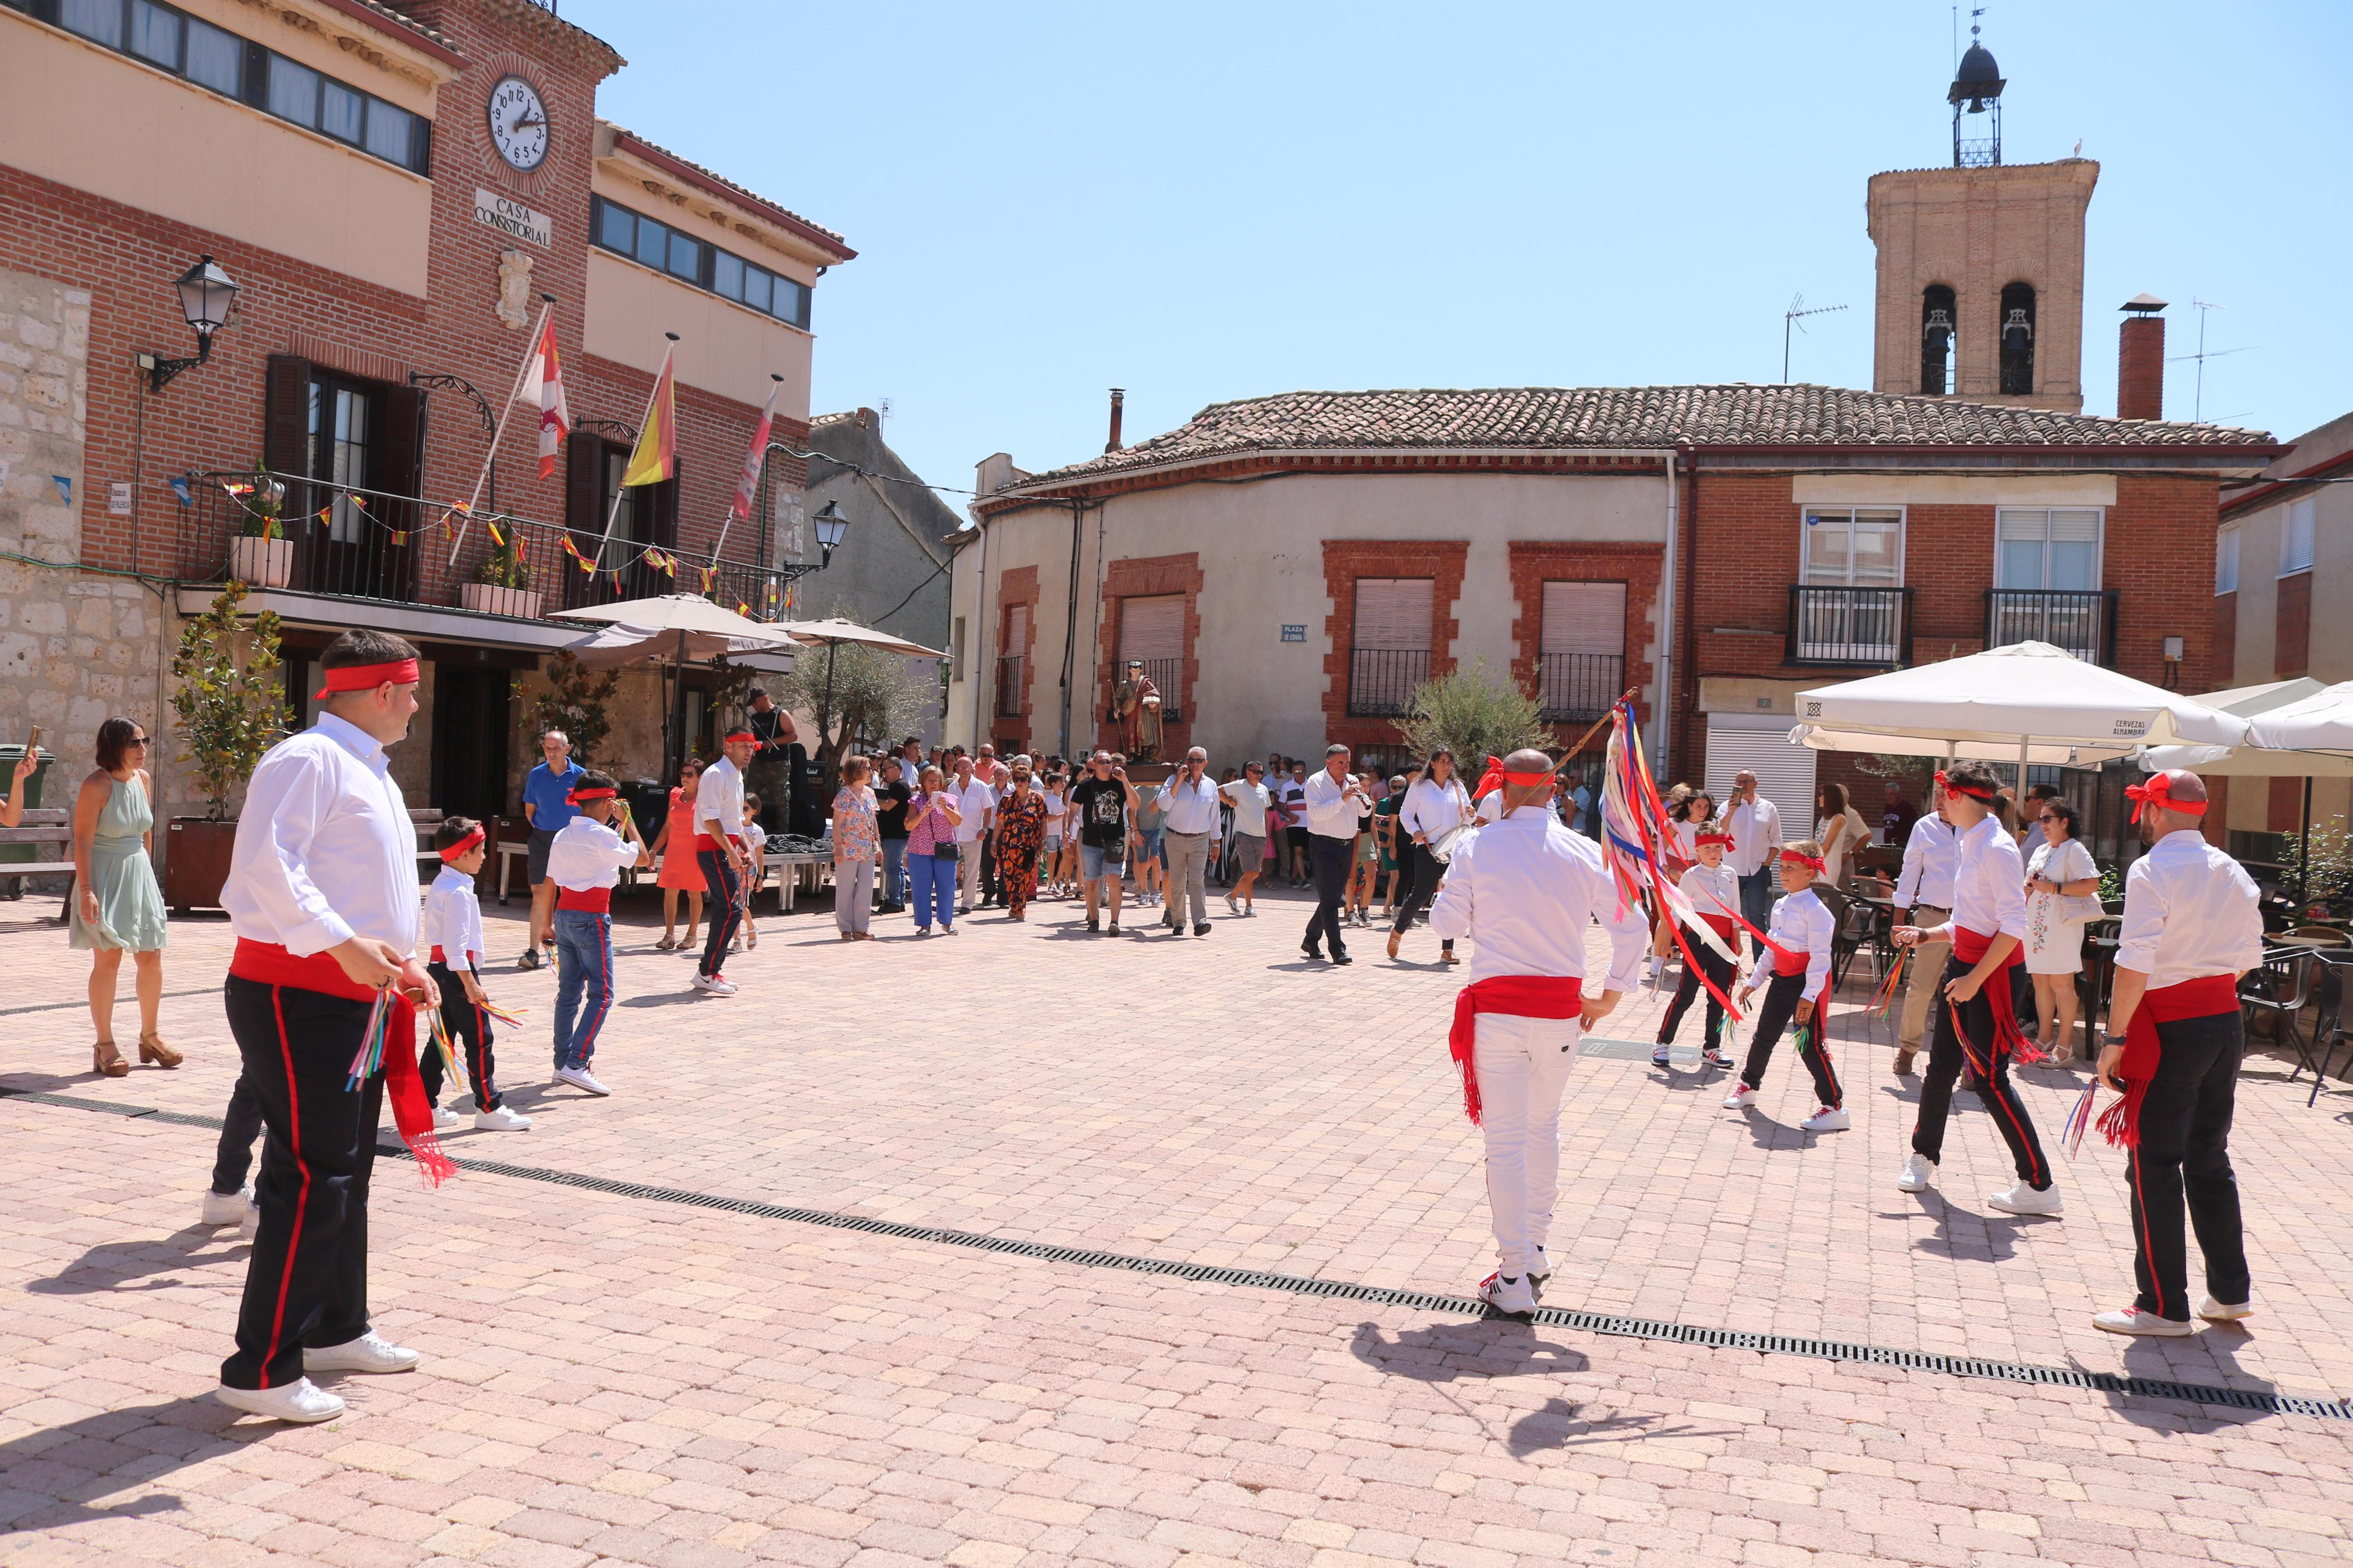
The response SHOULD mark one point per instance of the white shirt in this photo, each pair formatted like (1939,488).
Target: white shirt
(1990,882)
(1523,890)
(1251,802)
(1931,856)
(1490,808)
(1054,809)
(1687,840)
(1330,813)
(587,854)
(1189,807)
(1756,834)
(1433,809)
(976,800)
(325,850)
(1713,890)
(755,835)
(1801,924)
(453,920)
(2190,911)
(718,803)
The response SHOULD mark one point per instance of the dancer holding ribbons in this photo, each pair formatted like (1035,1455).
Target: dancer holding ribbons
(1525,889)
(718,849)
(1797,949)
(1713,891)
(1974,1017)
(451,929)
(584,863)
(2191,928)
(324,986)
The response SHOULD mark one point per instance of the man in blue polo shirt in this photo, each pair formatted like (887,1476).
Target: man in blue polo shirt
(547,803)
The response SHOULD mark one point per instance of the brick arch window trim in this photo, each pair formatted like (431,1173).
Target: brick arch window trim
(1150,577)
(1016,590)
(1535,563)
(1344,561)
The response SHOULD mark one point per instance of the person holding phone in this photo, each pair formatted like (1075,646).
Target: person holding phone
(1104,803)
(12,809)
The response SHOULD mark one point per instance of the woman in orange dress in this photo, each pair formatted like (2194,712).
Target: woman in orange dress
(680,871)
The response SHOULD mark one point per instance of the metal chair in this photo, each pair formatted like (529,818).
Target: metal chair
(2279,989)
(2327,1020)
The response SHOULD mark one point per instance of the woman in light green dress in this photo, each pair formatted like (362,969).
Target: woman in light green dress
(118,908)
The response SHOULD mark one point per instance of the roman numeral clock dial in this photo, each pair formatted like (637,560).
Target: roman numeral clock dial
(519,123)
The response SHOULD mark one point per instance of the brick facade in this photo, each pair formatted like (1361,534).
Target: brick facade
(1016,587)
(1149,577)
(1535,562)
(1345,561)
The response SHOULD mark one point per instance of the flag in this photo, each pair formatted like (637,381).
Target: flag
(543,383)
(654,456)
(754,460)
(498,538)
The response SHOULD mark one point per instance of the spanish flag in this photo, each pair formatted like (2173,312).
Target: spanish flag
(655,457)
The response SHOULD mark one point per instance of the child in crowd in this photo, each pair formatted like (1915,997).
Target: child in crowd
(755,847)
(1798,951)
(449,929)
(1713,892)
(584,863)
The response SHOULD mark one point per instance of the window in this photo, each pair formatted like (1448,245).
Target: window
(101,21)
(155,35)
(390,132)
(1581,651)
(1853,548)
(1849,604)
(217,59)
(1936,356)
(695,261)
(1153,629)
(2055,551)
(2226,562)
(2017,339)
(1389,652)
(2299,540)
(955,650)
(342,113)
(293,92)
(339,452)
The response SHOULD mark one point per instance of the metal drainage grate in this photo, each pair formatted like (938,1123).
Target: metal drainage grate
(2257,1401)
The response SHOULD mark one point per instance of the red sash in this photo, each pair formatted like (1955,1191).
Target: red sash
(267,963)
(1969,947)
(1720,924)
(589,900)
(2207,996)
(1513,995)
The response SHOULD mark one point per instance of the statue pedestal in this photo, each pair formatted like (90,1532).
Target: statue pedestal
(1152,774)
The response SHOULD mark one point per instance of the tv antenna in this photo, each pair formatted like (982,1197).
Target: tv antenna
(1793,317)
(2198,399)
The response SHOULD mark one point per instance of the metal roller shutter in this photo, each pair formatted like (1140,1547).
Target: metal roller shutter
(1151,629)
(1785,771)
(1584,617)
(1394,612)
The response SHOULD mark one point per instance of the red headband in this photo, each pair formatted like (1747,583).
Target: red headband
(578,795)
(1810,862)
(368,676)
(1495,778)
(1975,792)
(456,852)
(2157,794)
(733,736)
(1705,840)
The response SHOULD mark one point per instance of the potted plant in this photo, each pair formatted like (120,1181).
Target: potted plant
(501,584)
(230,702)
(262,555)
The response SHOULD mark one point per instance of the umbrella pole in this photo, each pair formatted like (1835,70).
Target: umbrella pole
(2304,858)
(826,708)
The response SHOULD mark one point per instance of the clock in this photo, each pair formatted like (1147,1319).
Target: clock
(518,123)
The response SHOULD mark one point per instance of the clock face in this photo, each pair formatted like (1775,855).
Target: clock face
(519,123)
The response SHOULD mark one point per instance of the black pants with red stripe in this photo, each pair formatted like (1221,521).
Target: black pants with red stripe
(725,892)
(1715,967)
(471,1027)
(306,1283)
(1946,1058)
(1773,1014)
(2185,1134)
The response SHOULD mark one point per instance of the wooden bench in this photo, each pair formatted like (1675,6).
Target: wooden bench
(46,828)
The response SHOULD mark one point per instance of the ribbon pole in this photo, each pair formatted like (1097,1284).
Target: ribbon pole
(546,309)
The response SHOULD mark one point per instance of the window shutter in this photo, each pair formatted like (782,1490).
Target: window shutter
(286,416)
(2071,526)
(1152,628)
(1785,771)
(400,454)
(665,506)
(1017,630)
(1394,612)
(2226,566)
(583,457)
(1584,617)
(2299,540)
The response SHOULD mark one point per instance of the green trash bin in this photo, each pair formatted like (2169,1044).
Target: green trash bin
(19,854)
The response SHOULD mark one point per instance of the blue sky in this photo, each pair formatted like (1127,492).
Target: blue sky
(1215,201)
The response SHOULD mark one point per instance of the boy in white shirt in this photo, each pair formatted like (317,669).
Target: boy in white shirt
(755,846)
(584,863)
(1798,951)
(1714,895)
(449,929)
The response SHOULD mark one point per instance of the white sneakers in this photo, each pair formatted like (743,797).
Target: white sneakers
(301,1400)
(1919,1172)
(2133,1320)
(717,984)
(1513,1296)
(2215,1311)
(1828,1118)
(501,1121)
(370,1352)
(1741,1098)
(2020,1199)
(444,1119)
(1541,1269)
(226,1208)
(581,1078)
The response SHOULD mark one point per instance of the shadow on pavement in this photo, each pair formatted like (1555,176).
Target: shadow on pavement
(113,1266)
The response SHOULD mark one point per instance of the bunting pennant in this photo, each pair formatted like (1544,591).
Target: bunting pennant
(325,513)
(400,539)
(654,456)
(743,610)
(496,539)
(708,573)
(358,501)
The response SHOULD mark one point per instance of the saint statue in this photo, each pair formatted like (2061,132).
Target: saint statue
(1135,704)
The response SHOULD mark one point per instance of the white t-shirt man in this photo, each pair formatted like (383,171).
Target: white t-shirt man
(976,800)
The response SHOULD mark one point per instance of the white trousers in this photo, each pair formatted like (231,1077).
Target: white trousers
(1523,1065)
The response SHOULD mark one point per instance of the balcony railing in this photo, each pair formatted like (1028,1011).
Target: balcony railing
(1169,675)
(2081,620)
(1849,625)
(1382,681)
(1574,688)
(1010,683)
(357,544)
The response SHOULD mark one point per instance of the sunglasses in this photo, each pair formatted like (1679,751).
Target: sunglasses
(136,741)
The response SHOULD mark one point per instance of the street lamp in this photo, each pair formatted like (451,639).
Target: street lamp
(830,526)
(206,293)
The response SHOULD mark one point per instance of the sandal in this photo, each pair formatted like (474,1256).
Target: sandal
(105,1059)
(667,944)
(152,1049)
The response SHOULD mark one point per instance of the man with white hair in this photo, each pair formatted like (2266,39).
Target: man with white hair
(1524,888)
(1188,805)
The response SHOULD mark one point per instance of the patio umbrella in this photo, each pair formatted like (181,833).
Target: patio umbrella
(2322,721)
(833,632)
(675,628)
(2254,760)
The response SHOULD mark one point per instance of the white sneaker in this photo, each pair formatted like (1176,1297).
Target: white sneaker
(716,985)
(301,1400)
(581,1078)
(226,1208)
(2020,1199)
(1741,1098)
(1233,906)
(249,1227)
(1541,1269)
(1509,1296)
(1661,1057)
(370,1352)
(444,1119)
(2215,1311)
(1919,1173)
(1658,965)
(501,1121)
(1829,1119)
(2133,1320)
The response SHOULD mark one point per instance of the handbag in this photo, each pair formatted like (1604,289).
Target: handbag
(945,851)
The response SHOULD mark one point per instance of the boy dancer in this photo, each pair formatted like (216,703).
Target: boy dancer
(1797,949)
(1714,895)
(584,863)
(450,931)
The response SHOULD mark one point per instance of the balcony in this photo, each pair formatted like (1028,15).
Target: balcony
(351,543)
(1167,674)
(1578,687)
(2081,620)
(1868,628)
(1382,681)
(1010,685)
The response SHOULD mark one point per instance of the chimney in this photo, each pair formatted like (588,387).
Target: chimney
(1118,403)
(2140,359)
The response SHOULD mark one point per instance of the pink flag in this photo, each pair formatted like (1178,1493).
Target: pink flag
(543,383)
(753,460)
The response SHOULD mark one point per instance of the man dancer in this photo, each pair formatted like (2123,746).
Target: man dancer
(2192,927)
(1923,898)
(719,850)
(1754,823)
(1524,889)
(1974,1017)
(1189,804)
(1329,799)
(322,894)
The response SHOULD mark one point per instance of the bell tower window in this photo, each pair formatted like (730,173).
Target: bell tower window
(2017,340)
(1936,355)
